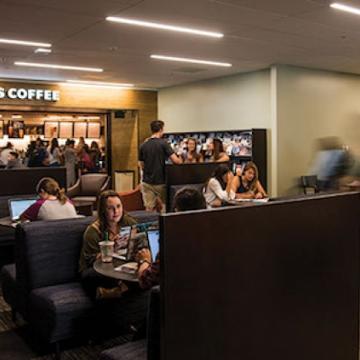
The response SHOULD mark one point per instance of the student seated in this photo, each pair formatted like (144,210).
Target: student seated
(185,199)
(126,302)
(216,152)
(218,188)
(111,218)
(14,162)
(52,205)
(191,155)
(247,185)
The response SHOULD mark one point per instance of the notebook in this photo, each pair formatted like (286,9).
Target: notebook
(18,206)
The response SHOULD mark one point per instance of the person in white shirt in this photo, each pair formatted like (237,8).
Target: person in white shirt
(4,156)
(55,154)
(218,188)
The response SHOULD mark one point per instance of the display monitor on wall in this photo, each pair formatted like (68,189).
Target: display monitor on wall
(93,130)
(66,129)
(51,129)
(80,129)
(16,129)
(236,143)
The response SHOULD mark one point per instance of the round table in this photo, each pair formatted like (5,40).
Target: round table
(107,269)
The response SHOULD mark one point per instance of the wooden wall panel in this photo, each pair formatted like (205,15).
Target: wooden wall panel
(103,100)
(125,142)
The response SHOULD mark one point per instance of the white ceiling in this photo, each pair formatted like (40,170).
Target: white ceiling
(258,33)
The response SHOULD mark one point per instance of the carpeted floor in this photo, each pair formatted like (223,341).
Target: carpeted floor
(17,343)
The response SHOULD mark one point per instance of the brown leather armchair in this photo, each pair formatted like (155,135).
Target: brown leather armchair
(133,204)
(132,200)
(88,187)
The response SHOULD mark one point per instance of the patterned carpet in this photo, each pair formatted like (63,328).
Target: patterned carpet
(16,342)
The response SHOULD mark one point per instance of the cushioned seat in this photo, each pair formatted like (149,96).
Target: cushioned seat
(145,349)
(13,294)
(143,216)
(131,351)
(55,310)
(132,200)
(88,187)
(78,199)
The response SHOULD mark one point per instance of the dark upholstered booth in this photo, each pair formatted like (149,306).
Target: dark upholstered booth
(148,349)
(43,284)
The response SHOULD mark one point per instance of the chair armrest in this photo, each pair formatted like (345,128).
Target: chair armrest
(105,185)
(73,190)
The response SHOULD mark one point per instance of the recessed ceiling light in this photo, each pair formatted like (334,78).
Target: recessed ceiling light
(164,26)
(24,43)
(346,8)
(98,83)
(16,116)
(55,66)
(188,60)
(57,117)
(88,117)
(41,50)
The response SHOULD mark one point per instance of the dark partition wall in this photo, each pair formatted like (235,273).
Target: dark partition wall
(185,174)
(189,173)
(272,281)
(23,181)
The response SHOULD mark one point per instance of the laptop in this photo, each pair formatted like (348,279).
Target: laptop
(153,240)
(18,206)
(131,267)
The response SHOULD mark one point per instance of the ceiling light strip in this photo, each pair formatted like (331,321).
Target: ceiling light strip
(55,66)
(41,50)
(164,26)
(24,43)
(346,8)
(188,60)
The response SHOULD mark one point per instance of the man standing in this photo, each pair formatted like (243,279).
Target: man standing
(152,156)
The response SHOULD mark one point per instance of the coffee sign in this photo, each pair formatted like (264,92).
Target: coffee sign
(29,94)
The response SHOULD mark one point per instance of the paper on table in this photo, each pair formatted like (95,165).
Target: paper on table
(130,267)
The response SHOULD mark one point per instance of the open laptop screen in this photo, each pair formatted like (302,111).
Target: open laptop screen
(18,206)
(153,237)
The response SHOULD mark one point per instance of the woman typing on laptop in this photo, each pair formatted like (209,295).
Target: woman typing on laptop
(247,185)
(51,205)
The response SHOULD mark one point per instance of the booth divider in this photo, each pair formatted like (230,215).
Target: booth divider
(186,174)
(272,281)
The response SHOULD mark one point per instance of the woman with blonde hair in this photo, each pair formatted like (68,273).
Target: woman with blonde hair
(247,185)
(52,204)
